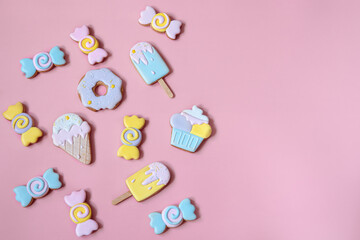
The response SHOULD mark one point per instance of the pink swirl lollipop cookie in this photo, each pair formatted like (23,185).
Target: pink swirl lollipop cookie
(89,45)
(160,22)
(80,213)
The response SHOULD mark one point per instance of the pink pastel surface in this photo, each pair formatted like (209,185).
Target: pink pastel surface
(279,79)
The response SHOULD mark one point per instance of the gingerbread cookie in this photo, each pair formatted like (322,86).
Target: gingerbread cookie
(89,83)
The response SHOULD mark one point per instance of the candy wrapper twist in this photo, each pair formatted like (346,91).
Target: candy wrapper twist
(89,45)
(131,137)
(22,124)
(80,213)
(37,187)
(172,216)
(160,22)
(42,62)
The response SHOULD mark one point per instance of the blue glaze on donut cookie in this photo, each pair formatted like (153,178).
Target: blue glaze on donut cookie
(113,94)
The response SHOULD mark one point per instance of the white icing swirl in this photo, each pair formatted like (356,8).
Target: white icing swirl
(160,22)
(159,172)
(42,62)
(80,212)
(37,187)
(172,216)
(88,44)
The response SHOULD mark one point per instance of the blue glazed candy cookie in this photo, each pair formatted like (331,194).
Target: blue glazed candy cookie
(42,62)
(37,187)
(172,216)
(94,78)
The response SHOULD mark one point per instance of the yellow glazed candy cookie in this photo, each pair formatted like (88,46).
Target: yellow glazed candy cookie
(22,124)
(146,182)
(131,137)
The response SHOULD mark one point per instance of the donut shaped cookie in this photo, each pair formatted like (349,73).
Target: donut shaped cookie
(94,78)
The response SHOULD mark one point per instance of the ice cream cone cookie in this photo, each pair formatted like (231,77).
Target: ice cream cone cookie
(131,137)
(37,187)
(72,134)
(87,90)
(146,182)
(80,213)
(160,22)
(190,128)
(42,62)
(150,65)
(89,45)
(172,216)
(22,124)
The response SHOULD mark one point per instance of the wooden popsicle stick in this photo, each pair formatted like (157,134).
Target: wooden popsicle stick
(121,198)
(166,88)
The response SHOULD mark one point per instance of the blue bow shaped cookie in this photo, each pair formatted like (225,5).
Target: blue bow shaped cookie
(172,216)
(42,62)
(37,187)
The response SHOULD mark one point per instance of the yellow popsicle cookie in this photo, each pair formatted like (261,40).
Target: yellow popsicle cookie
(148,181)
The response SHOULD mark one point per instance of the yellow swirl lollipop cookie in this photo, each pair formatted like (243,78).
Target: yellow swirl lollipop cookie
(131,137)
(160,22)
(22,124)
(89,45)
(80,213)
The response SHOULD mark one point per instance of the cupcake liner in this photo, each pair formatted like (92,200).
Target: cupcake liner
(185,140)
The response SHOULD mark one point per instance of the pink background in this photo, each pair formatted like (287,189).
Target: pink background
(279,79)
